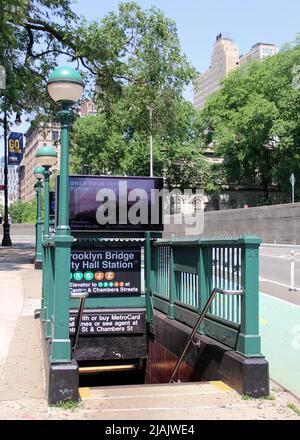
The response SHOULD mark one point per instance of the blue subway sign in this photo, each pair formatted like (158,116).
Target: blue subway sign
(15,148)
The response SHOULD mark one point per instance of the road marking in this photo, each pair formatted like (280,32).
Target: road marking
(221,385)
(84,393)
(297,246)
(276,282)
(280,300)
(283,257)
(140,396)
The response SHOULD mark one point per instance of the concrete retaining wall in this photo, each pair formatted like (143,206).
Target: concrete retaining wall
(274,224)
(20,229)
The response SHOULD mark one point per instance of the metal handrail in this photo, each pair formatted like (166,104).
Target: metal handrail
(82,296)
(199,320)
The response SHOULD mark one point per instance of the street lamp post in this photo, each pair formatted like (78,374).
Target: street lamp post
(65,86)
(38,260)
(46,157)
(6,240)
(151,140)
(85,168)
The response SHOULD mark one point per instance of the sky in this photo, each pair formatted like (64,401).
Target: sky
(200,21)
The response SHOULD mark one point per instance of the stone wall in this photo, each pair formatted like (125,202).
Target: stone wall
(274,223)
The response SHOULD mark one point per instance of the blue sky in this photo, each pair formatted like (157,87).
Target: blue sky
(198,22)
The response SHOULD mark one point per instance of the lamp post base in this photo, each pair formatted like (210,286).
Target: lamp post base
(38,264)
(6,241)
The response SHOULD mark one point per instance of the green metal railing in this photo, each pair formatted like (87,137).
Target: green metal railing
(184,272)
(182,275)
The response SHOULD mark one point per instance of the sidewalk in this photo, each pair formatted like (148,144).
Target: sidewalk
(22,384)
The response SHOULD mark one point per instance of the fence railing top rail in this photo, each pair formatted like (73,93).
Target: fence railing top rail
(209,241)
(48,241)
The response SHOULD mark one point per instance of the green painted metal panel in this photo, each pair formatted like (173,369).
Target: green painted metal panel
(125,302)
(185,257)
(227,263)
(185,268)
(249,339)
(161,305)
(221,332)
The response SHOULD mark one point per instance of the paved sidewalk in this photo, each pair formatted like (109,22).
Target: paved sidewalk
(22,385)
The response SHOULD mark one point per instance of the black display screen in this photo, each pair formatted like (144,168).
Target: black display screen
(109,203)
(52,204)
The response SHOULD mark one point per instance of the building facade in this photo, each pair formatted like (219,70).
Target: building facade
(36,137)
(87,108)
(224,59)
(13,183)
(258,52)
(39,136)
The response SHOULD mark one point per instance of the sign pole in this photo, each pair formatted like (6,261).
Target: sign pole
(293,181)
(6,241)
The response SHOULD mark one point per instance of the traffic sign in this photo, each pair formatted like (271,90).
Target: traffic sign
(292,179)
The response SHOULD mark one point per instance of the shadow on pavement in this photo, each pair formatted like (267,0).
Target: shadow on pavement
(14,258)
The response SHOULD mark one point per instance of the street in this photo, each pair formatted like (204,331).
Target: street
(275,264)
(280,315)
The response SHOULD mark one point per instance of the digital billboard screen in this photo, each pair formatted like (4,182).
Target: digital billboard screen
(52,204)
(109,203)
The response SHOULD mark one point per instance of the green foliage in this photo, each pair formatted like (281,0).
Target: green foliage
(66,404)
(294,408)
(144,69)
(32,35)
(23,212)
(1,210)
(253,122)
(134,58)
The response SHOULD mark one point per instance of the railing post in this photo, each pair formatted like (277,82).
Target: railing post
(249,340)
(44,277)
(47,289)
(204,278)
(154,269)
(50,305)
(172,285)
(149,305)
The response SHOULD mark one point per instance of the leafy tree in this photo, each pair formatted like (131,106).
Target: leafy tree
(133,58)
(23,212)
(33,33)
(253,123)
(1,210)
(139,93)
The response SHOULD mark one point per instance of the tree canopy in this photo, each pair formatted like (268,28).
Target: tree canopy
(131,61)
(140,77)
(253,122)
(33,33)
(23,212)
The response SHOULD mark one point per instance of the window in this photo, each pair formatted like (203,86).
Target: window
(233,204)
(216,204)
(55,135)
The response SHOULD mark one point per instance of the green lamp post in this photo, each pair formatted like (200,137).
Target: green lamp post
(65,86)
(46,157)
(38,259)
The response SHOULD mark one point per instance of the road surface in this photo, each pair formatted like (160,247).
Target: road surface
(280,315)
